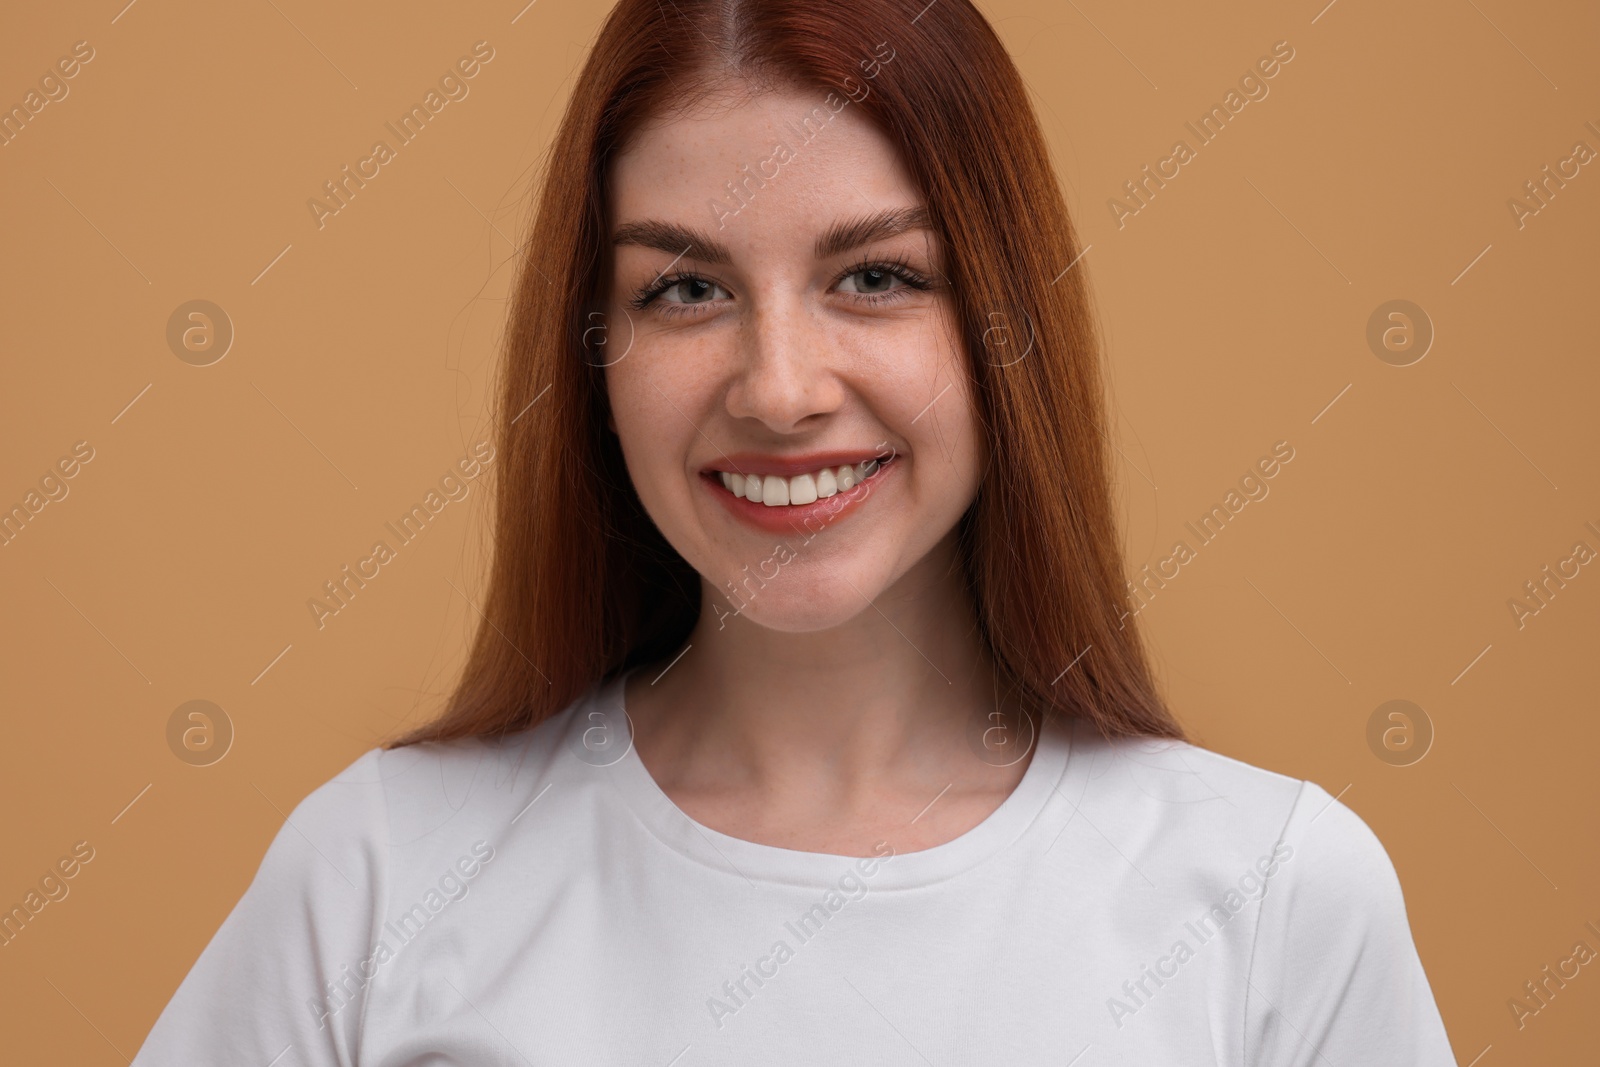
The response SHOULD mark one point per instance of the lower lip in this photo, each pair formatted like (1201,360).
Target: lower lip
(802,519)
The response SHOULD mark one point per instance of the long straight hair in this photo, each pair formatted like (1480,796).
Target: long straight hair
(583,586)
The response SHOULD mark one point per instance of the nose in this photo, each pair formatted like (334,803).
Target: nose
(785,375)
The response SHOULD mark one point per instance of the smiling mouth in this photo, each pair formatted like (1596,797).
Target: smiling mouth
(777,491)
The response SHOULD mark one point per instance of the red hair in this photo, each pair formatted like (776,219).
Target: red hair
(582,585)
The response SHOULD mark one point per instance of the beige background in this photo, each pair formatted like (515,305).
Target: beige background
(1235,308)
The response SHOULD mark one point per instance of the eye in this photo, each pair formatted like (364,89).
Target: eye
(690,290)
(678,294)
(880,281)
(872,280)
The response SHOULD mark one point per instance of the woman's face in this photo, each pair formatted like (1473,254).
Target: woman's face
(777,320)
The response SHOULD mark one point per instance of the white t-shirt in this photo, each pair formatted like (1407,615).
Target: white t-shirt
(538,900)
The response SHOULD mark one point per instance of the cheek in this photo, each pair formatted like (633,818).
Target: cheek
(655,401)
(936,412)
(638,417)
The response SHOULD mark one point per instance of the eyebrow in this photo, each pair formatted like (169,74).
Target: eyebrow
(843,236)
(672,239)
(684,241)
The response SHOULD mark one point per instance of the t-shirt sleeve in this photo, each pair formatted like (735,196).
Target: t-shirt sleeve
(281,981)
(1335,976)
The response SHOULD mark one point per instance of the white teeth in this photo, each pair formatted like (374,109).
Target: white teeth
(775,491)
(802,489)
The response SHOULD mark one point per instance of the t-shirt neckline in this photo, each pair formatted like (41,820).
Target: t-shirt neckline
(773,864)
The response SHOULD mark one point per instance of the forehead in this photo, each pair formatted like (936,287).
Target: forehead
(743,166)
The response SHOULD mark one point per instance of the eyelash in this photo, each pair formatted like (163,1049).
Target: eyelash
(897,266)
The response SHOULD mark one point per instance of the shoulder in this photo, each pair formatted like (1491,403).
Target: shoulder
(1299,887)
(1221,828)
(395,801)
(1212,820)
(444,790)
(356,792)
(1341,891)
(335,835)
(1190,802)
(395,823)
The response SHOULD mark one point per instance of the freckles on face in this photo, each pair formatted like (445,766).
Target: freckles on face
(783,300)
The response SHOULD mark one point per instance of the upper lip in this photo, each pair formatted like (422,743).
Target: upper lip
(807,463)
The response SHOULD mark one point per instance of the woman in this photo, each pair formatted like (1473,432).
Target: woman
(806,725)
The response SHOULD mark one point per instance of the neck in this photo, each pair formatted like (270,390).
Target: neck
(890,693)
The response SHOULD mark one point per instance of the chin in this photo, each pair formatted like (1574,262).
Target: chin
(802,618)
(791,598)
